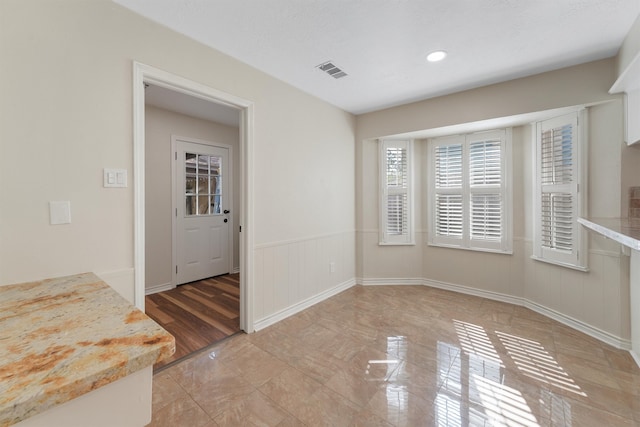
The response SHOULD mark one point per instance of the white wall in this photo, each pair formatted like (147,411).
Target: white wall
(66,113)
(160,124)
(596,301)
(629,50)
(630,47)
(581,84)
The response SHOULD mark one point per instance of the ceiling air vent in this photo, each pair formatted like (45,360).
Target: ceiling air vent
(332,70)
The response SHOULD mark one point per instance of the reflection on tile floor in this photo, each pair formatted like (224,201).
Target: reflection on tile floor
(404,356)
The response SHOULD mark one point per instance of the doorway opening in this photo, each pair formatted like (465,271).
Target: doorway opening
(238,283)
(203,212)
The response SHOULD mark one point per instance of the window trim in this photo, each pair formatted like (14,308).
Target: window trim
(505,245)
(578,259)
(407,238)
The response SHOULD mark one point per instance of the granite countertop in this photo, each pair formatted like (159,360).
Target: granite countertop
(622,230)
(64,337)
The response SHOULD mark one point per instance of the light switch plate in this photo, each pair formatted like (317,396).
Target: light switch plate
(115,178)
(60,212)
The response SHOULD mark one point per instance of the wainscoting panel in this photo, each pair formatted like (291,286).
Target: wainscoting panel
(293,275)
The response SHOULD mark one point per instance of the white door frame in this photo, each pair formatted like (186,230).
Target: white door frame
(228,199)
(146,74)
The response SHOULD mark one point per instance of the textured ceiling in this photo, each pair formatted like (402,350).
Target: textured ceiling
(382,44)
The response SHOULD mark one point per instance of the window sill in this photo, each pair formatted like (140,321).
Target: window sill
(486,250)
(561,264)
(396,244)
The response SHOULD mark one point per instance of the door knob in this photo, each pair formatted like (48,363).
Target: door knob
(225,220)
(226,211)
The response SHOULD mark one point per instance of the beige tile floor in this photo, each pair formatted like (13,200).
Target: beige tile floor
(404,356)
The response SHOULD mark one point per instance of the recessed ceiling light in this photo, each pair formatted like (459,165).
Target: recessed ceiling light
(436,56)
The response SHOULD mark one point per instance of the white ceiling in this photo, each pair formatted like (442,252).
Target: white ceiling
(191,106)
(382,44)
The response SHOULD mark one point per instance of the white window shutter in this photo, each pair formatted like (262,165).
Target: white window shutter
(449,215)
(556,230)
(485,181)
(559,198)
(470,203)
(447,191)
(397,215)
(486,217)
(396,226)
(485,163)
(448,161)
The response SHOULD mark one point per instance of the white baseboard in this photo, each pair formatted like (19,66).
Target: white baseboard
(235,270)
(618,342)
(496,296)
(393,281)
(158,288)
(298,307)
(635,357)
(579,325)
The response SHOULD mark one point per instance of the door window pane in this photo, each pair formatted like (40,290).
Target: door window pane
(203,189)
(214,165)
(190,185)
(215,205)
(190,207)
(215,185)
(190,160)
(203,205)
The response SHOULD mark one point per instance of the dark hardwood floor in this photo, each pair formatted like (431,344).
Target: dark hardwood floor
(197,314)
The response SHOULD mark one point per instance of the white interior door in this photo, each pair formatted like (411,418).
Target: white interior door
(203,202)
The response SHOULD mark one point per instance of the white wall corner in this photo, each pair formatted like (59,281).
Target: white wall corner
(298,307)
(120,280)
